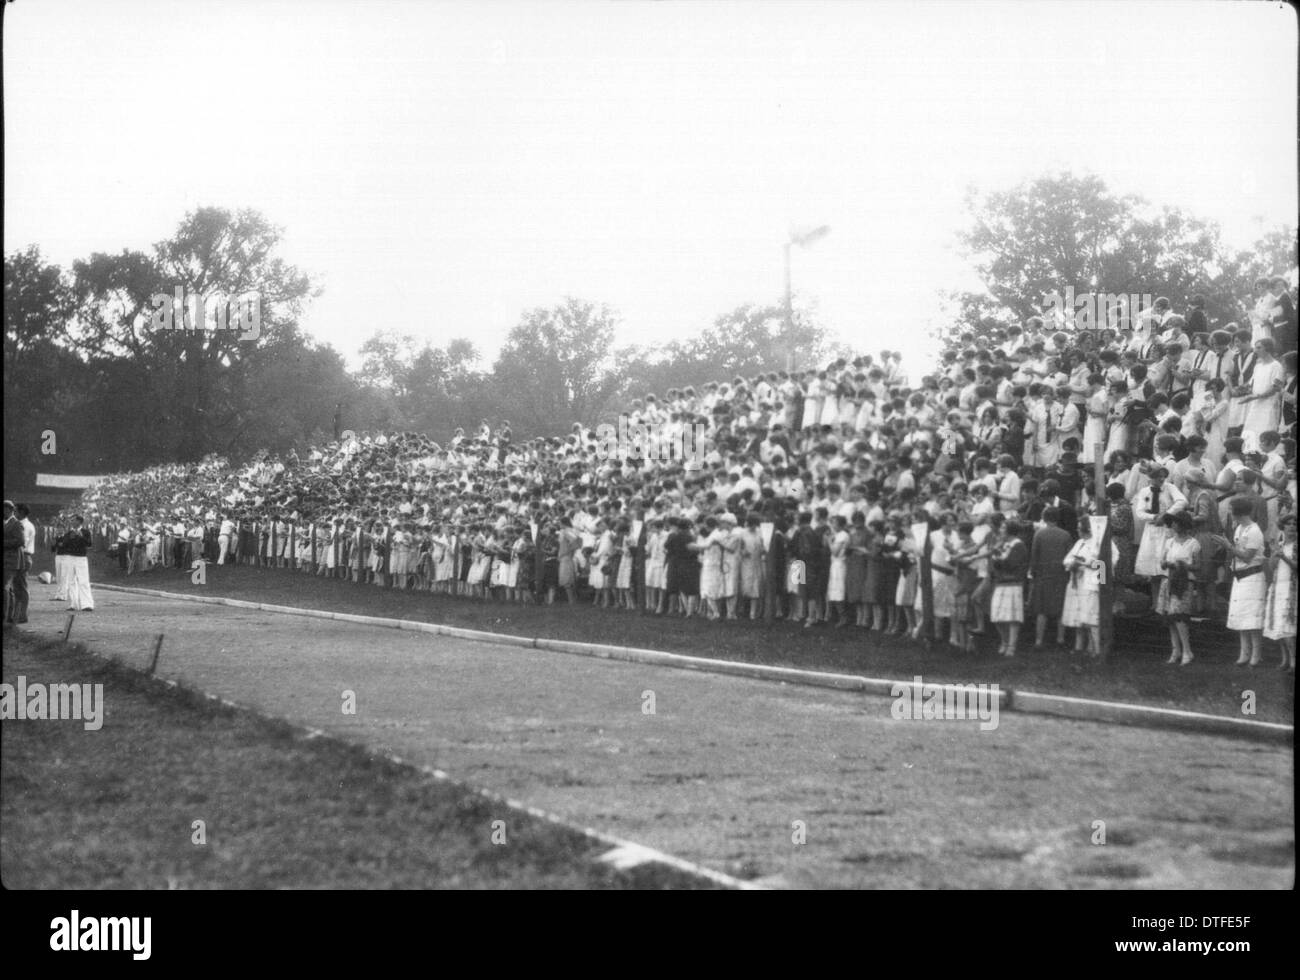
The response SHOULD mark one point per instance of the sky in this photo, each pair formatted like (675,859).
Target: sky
(440,167)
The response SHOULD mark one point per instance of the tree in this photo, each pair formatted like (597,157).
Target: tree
(42,377)
(749,340)
(196,386)
(557,367)
(1056,232)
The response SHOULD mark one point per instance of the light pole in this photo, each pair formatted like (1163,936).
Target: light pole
(801,239)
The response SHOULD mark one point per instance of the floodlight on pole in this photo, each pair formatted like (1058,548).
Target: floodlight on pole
(802,238)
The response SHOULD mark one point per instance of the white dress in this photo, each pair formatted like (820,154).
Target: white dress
(656,566)
(839,567)
(1280,607)
(1262,414)
(1094,430)
(1246,606)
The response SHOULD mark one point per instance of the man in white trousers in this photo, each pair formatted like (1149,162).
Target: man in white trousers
(76,544)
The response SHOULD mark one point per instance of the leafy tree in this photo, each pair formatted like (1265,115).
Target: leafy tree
(1059,231)
(557,367)
(40,371)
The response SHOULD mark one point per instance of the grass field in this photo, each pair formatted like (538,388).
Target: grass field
(1137,673)
(115,808)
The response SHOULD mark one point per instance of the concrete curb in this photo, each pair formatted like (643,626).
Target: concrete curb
(1022,702)
(618,847)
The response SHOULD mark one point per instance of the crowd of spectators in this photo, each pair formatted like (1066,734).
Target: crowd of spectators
(964,502)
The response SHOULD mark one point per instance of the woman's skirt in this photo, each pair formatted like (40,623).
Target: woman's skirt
(905,594)
(623,580)
(1047,595)
(888,587)
(1246,607)
(1081,607)
(684,577)
(1280,607)
(871,579)
(1150,549)
(835,582)
(944,590)
(1008,603)
(1175,607)
(656,574)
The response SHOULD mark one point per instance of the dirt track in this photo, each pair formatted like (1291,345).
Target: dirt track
(724,768)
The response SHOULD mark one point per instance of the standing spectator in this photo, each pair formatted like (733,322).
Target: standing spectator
(25,561)
(1082,608)
(1048,577)
(13,557)
(1010,566)
(1280,607)
(1153,502)
(76,545)
(1249,587)
(1176,601)
(1263,402)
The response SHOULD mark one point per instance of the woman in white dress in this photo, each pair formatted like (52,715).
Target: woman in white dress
(1280,607)
(510,578)
(1082,609)
(839,570)
(849,403)
(731,566)
(1117,401)
(710,548)
(812,401)
(439,551)
(942,574)
(752,554)
(1249,586)
(399,566)
(480,564)
(597,577)
(1212,407)
(830,413)
(656,567)
(623,578)
(1097,408)
(1263,406)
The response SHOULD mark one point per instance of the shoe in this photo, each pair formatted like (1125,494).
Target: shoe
(1187,659)
(1173,658)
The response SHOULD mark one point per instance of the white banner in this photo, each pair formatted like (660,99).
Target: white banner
(67,481)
